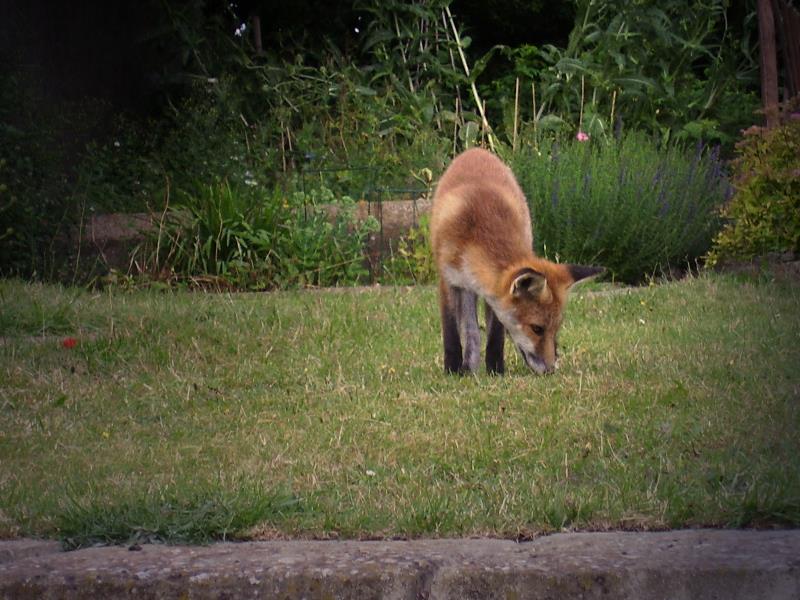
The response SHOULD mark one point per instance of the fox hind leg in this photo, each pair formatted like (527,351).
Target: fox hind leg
(495,338)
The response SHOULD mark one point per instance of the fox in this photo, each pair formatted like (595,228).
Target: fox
(482,241)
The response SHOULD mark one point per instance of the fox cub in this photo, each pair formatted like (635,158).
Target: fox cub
(483,246)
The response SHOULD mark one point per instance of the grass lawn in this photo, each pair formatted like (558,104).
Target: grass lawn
(189,416)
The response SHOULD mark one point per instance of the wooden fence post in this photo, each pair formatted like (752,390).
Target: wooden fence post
(255,21)
(769,66)
(787,25)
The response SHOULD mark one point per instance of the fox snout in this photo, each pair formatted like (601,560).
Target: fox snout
(538,364)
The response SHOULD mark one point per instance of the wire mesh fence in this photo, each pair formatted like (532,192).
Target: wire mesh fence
(396,209)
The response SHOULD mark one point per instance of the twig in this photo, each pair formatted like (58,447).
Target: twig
(80,241)
(535,117)
(456,123)
(403,54)
(516,116)
(283,150)
(161,220)
(475,95)
(613,106)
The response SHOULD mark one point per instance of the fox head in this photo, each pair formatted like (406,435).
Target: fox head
(531,308)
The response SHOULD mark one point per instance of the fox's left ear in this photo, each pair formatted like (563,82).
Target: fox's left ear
(531,284)
(582,273)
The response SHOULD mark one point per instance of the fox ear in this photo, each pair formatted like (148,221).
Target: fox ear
(582,273)
(530,283)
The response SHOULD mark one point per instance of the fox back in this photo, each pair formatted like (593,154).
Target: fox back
(483,245)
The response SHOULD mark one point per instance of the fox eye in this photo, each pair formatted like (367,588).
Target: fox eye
(537,330)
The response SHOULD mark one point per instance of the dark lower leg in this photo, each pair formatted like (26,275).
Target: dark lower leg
(495,337)
(450,337)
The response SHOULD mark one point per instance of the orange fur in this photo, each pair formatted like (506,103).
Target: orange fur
(483,244)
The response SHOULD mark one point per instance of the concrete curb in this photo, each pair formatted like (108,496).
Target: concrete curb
(674,564)
(14,550)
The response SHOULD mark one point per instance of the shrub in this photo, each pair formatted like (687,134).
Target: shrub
(118,174)
(630,205)
(33,212)
(764,213)
(206,140)
(223,236)
(678,70)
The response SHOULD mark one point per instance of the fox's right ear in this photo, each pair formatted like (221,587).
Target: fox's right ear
(528,282)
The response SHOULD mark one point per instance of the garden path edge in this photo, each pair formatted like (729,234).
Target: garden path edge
(697,563)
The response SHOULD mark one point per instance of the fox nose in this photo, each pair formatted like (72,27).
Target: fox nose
(536,363)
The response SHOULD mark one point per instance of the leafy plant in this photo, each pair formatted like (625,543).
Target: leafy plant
(412,261)
(320,249)
(226,236)
(764,214)
(34,215)
(633,206)
(121,175)
(676,70)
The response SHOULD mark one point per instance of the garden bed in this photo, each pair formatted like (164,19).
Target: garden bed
(110,238)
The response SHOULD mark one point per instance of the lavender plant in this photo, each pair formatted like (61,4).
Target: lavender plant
(631,205)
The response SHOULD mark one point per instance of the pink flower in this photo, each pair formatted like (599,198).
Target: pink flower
(582,136)
(69,342)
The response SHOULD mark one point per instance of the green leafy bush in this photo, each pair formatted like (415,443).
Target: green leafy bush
(678,70)
(33,211)
(764,214)
(224,236)
(359,144)
(633,206)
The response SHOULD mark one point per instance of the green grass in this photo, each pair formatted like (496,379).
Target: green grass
(189,417)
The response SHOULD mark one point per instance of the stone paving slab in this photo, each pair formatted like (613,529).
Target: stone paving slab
(675,565)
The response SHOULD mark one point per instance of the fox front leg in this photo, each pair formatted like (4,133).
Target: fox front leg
(466,303)
(450,336)
(495,338)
